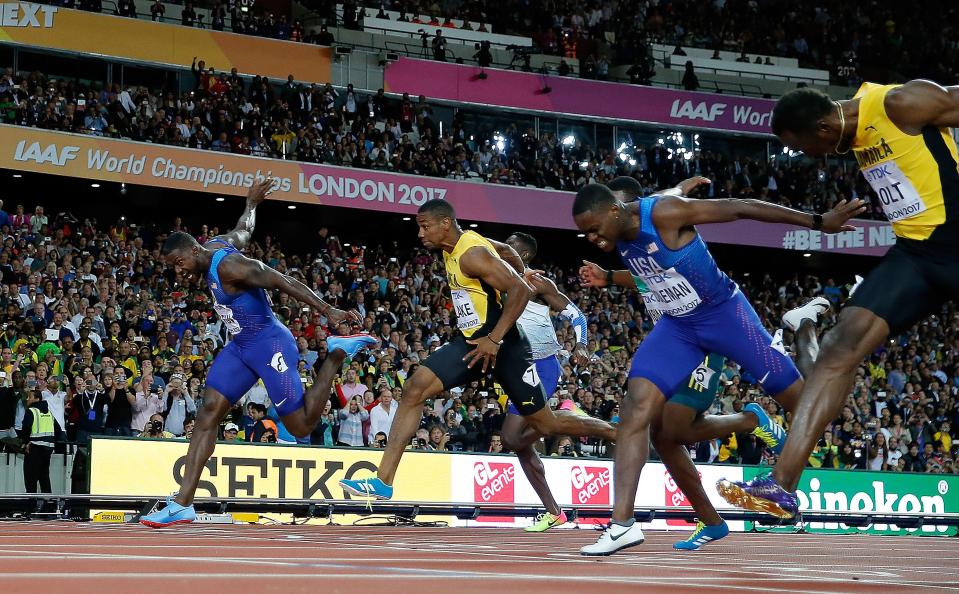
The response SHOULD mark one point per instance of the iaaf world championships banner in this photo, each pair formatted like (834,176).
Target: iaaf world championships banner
(105,159)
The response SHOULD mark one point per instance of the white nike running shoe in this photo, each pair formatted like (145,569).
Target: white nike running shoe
(616,537)
(793,318)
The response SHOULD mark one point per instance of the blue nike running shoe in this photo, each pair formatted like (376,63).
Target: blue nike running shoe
(369,487)
(702,535)
(768,430)
(351,344)
(172,513)
(762,494)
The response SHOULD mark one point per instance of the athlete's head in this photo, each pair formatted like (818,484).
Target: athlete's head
(524,244)
(625,188)
(600,216)
(436,219)
(807,120)
(181,251)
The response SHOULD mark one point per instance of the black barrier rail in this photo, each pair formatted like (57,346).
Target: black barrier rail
(63,506)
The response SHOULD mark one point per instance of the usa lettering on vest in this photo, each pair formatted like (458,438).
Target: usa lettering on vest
(50,154)
(670,293)
(698,111)
(24,14)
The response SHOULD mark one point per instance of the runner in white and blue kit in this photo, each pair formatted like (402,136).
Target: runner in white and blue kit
(536,322)
(261,347)
(699,310)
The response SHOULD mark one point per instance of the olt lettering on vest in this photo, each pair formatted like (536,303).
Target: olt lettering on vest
(670,293)
(897,195)
(466,316)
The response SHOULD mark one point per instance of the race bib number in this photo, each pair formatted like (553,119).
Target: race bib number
(226,315)
(702,376)
(670,293)
(897,195)
(530,377)
(466,316)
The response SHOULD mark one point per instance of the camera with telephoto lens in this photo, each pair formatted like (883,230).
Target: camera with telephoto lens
(156,426)
(567,450)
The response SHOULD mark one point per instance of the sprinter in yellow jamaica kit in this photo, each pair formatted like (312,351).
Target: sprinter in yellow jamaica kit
(489,295)
(900,136)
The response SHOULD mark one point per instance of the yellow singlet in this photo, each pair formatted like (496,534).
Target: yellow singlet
(916,177)
(476,302)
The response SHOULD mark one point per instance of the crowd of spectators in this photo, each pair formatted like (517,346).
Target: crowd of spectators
(93,322)
(885,42)
(320,124)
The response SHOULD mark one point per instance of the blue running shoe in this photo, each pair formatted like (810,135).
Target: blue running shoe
(702,535)
(370,487)
(768,430)
(351,344)
(172,513)
(762,494)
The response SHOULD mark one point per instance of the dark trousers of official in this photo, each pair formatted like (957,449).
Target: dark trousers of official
(36,469)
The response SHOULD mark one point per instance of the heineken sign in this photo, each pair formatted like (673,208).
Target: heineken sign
(861,492)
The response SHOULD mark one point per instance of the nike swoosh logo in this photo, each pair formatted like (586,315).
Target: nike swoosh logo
(764,378)
(617,537)
(280,403)
(624,253)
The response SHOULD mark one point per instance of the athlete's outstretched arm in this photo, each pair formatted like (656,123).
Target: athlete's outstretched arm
(559,302)
(253,274)
(678,212)
(594,275)
(481,264)
(240,236)
(921,103)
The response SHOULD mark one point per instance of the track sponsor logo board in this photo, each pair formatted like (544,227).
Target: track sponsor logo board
(862,492)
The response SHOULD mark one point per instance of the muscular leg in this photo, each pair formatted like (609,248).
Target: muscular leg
(858,333)
(422,385)
(806,345)
(547,422)
(215,407)
(519,437)
(681,467)
(643,403)
(302,421)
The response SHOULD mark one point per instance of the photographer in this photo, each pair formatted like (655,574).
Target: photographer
(179,404)
(878,453)
(153,428)
(564,447)
(439,47)
(483,55)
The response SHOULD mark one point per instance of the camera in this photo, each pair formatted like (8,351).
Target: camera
(567,450)
(156,426)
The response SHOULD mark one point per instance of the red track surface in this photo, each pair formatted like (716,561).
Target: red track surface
(38,557)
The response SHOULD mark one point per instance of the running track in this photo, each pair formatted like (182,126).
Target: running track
(41,557)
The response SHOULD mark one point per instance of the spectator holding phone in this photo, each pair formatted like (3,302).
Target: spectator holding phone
(91,402)
(351,424)
(147,402)
(179,405)
(120,410)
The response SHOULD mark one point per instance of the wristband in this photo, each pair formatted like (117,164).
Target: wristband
(497,343)
(609,277)
(817,222)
